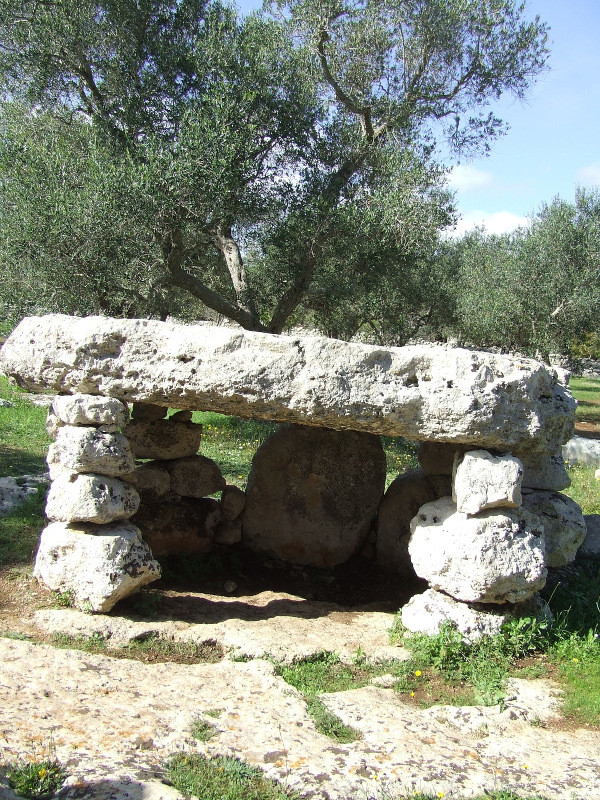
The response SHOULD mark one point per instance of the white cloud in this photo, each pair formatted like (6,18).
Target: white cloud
(590,175)
(496,222)
(469,179)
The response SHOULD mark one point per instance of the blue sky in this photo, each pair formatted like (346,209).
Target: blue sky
(553,143)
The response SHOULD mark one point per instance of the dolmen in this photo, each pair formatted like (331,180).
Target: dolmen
(480,520)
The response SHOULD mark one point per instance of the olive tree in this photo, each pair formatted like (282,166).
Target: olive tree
(272,169)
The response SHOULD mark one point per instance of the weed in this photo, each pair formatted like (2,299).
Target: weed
(35,780)
(215,713)
(64,599)
(327,723)
(222,778)
(202,730)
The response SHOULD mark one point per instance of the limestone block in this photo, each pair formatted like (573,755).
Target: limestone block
(79,449)
(195,476)
(163,439)
(53,423)
(90,498)
(591,543)
(437,458)
(100,565)
(85,409)
(151,480)
(148,411)
(404,497)
(581,450)
(233,500)
(564,525)
(543,470)
(184,525)
(425,613)
(422,392)
(481,481)
(312,494)
(496,557)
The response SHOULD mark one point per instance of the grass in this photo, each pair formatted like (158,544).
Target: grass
(20,530)
(203,730)
(152,650)
(587,393)
(222,778)
(35,779)
(23,438)
(584,488)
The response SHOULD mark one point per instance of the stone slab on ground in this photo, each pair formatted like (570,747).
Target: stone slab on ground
(14,491)
(581,450)
(113,717)
(421,392)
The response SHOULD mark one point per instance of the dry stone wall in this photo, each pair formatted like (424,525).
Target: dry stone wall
(481,519)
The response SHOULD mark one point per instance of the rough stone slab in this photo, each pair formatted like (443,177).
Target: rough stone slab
(14,491)
(90,498)
(564,525)
(89,450)
(402,500)
(100,564)
(420,392)
(543,470)
(163,439)
(496,557)
(481,481)
(312,494)
(581,450)
(437,458)
(85,409)
(71,696)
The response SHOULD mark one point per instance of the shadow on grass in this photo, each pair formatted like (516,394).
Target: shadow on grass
(15,462)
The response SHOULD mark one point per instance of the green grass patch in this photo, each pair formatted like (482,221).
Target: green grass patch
(20,530)
(152,650)
(23,438)
(587,393)
(203,730)
(222,778)
(584,489)
(35,779)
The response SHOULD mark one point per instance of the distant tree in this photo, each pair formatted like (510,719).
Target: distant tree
(536,290)
(274,169)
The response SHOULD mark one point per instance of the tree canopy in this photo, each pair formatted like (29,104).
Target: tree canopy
(161,156)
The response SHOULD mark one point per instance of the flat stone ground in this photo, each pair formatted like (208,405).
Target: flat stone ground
(113,722)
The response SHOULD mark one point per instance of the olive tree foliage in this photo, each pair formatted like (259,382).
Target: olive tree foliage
(536,290)
(164,155)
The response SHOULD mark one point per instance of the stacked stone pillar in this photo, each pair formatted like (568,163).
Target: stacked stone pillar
(485,551)
(90,549)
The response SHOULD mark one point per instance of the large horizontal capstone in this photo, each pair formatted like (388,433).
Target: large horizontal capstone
(424,392)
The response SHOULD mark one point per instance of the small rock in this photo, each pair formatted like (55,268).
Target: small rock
(81,449)
(564,525)
(86,409)
(230,586)
(163,439)
(148,411)
(100,564)
(233,500)
(481,481)
(90,498)
(496,557)
(6,404)
(195,476)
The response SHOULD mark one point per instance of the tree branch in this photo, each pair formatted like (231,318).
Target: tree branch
(229,249)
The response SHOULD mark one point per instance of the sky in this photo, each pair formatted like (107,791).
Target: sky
(553,144)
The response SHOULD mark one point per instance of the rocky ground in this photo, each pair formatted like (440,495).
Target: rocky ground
(113,722)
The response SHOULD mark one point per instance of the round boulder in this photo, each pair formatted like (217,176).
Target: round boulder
(312,494)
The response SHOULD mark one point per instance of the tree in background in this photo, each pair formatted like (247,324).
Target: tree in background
(536,290)
(274,169)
